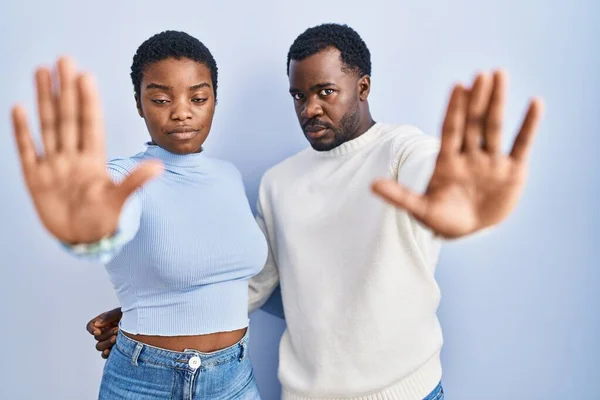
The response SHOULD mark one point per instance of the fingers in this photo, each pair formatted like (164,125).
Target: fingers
(92,330)
(105,329)
(524,140)
(72,114)
(92,129)
(94,325)
(46,110)
(483,110)
(399,196)
(107,334)
(25,144)
(142,174)
(452,129)
(106,319)
(106,344)
(68,112)
(495,113)
(476,115)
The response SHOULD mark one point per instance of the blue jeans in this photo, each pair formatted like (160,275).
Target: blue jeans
(436,394)
(136,371)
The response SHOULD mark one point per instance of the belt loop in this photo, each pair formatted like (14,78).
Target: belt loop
(243,350)
(136,353)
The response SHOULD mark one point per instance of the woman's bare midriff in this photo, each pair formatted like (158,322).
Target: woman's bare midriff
(203,343)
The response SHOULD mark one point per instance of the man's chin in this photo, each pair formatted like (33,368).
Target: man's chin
(323,144)
(320,146)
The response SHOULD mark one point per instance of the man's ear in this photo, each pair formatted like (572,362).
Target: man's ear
(364,87)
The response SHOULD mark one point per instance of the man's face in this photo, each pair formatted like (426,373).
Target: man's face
(326,98)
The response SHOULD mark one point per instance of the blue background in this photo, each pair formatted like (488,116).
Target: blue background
(518,305)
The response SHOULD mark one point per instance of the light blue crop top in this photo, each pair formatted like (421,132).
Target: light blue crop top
(186,247)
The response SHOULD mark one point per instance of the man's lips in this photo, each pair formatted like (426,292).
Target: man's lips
(316,132)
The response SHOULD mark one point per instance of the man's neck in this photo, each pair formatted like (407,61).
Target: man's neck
(365,124)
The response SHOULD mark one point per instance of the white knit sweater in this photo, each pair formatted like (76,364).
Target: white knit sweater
(356,275)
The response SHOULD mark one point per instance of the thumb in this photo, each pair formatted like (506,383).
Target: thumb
(401,197)
(142,174)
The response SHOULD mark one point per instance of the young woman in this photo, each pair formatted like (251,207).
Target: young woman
(177,235)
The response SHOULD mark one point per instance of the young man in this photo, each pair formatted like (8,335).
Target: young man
(356,273)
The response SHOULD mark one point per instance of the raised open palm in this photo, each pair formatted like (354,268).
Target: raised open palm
(473,185)
(72,192)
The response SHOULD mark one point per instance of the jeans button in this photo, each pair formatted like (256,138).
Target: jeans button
(194,362)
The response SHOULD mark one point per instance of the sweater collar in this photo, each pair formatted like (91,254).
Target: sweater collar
(178,160)
(352,145)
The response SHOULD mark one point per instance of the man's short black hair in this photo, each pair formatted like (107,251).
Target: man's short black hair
(354,52)
(171,44)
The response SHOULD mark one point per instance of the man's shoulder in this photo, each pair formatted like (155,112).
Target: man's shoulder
(401,134)
(289,167)
(407,139)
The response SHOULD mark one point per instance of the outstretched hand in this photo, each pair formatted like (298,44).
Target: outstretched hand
(72,192)
(473,185)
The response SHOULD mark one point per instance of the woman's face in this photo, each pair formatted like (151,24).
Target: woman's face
(177,101)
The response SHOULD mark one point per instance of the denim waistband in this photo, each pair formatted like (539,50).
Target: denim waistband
(188,359)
